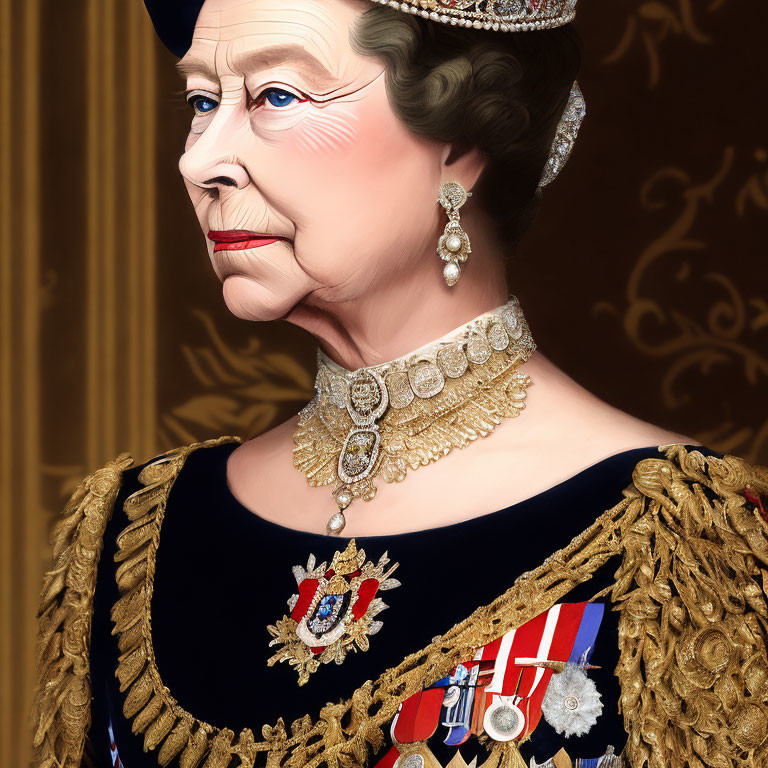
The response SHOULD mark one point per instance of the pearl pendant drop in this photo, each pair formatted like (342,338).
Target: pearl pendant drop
(336,524)
(453,243)
(451,272)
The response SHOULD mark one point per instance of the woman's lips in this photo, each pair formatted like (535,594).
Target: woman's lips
(239,239)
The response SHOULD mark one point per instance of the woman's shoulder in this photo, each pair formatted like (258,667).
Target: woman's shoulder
(693,607)
(690,504)
(165,467)
(65,613)
(92,503)
(67,596)
(703,476)
(117,482)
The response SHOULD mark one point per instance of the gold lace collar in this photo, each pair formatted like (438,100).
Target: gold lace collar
(384,420)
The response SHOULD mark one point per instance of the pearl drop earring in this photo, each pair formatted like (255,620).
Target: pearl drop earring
(453,246)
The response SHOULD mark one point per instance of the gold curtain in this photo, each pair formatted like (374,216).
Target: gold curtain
(77,330)
(22,527)
(644,277)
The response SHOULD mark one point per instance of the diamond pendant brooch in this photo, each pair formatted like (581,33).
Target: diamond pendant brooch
(367,400)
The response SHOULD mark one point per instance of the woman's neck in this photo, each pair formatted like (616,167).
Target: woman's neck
(403,315)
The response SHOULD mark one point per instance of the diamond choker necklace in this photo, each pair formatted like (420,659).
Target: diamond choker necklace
(404,414)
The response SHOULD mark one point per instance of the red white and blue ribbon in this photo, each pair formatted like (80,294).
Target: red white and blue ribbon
(509,706)
(113,755)
(566,632)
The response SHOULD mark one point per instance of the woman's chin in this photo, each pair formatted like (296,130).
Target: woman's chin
(250,300)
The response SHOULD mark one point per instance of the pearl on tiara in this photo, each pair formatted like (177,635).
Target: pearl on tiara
(495,15)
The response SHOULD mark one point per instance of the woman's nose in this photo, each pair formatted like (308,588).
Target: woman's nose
(210,162)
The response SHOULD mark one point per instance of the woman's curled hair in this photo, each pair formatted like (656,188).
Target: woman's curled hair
(502,92)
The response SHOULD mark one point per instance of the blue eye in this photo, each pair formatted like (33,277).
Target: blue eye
(202,104)
(279,98)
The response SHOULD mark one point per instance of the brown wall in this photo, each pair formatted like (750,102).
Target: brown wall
(645,276)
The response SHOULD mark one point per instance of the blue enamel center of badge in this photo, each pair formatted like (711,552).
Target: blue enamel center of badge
(326,606)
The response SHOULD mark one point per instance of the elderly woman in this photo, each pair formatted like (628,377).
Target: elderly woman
(578,588)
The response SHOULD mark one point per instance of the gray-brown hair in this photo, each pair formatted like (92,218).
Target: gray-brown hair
(501,92)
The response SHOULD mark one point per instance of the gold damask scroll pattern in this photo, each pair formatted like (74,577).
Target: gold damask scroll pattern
(653,22)
(21,525)
(732,330)
(754,193)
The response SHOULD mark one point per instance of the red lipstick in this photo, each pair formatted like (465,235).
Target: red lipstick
(239,239)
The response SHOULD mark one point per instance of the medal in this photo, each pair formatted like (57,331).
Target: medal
(333,613)
(571,704)
(459,707)
(528,657)
(503,721)
(542,660)
(410,761)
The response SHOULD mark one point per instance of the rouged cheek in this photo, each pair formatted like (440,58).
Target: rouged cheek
(327,130)
(309,130)
(390,144)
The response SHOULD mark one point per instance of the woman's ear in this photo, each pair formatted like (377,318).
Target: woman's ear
(462,164)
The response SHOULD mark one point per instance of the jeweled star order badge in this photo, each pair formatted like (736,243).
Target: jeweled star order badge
(334,611)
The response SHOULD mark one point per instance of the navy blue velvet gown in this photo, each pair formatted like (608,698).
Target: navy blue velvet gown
(223,575)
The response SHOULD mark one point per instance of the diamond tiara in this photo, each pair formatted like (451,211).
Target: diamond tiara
(496,15)
(513,16)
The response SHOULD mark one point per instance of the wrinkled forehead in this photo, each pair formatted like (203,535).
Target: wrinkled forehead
(313,34)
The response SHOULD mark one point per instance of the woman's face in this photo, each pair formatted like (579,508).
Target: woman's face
(293,137)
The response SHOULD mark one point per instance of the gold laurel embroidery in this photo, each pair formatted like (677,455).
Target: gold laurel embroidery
(239,388)
(693,626)
(325,742)
(62,698)
(345,733)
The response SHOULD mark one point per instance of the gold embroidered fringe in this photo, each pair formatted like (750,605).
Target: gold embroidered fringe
(693,631)
(62,705)
(693,628)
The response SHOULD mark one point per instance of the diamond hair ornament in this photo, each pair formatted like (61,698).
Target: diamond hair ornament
(565,136)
